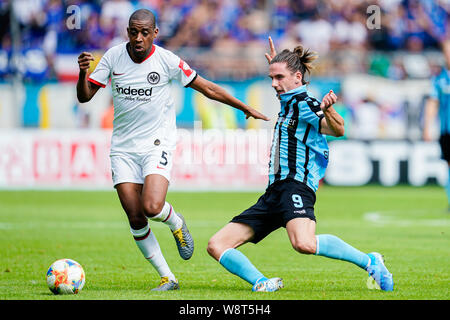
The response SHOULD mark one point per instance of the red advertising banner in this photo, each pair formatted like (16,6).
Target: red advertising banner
(54,159)
(207,160)
(203,160)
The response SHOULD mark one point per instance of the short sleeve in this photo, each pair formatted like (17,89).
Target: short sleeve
(180,70)
(310,112)
(100,76)
(434,93)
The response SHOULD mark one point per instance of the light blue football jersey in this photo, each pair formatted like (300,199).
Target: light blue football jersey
(441,91)
(299,151)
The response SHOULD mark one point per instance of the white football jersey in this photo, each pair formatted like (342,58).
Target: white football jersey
(144,111)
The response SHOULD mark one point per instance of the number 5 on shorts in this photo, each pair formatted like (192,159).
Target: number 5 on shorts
(164,160)
(298,203)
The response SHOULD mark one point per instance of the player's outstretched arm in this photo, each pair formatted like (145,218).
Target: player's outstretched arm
(332,124)
(85,89)
(216,92)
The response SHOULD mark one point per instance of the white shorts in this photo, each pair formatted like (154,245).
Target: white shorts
(135,166)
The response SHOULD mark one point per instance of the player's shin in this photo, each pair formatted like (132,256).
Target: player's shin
(331,246)
(149,246)
(237,263)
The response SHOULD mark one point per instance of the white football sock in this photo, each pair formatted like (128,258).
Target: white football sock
(168,217)
(149,246)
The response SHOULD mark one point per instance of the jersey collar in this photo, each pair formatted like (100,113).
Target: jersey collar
(287,95)
(149,55)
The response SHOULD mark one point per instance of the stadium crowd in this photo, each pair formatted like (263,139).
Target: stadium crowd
(220,37)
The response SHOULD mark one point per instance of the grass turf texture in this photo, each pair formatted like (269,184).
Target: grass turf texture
(410,226)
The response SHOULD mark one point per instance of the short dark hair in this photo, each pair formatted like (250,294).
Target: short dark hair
(298,60)
(143,15)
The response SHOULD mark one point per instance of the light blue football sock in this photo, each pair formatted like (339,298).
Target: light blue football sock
(237,263)
(332,247)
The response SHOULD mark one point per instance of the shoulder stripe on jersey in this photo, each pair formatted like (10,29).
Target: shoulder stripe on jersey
(305,138)
(301,96)
(314,105)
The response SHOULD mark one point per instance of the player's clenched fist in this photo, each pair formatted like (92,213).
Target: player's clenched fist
(84,60)
(328,100)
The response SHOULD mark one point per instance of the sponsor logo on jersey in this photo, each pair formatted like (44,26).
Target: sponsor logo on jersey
(134,92)
(291,123)
(153,77)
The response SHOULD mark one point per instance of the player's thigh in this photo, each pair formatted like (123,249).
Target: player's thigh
(154,194)
(302,234)
(231,235)
(130,199)
(156,167)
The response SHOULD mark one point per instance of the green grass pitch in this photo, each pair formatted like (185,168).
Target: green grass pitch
(410,226)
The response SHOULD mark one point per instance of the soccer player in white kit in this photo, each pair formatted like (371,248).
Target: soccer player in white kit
(144,131)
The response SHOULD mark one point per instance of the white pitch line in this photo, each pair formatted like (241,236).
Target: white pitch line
(388,217)
(96,225)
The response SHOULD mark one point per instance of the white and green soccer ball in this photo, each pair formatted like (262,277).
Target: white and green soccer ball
(65,276)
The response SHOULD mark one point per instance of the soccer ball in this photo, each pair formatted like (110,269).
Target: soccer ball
(65,276)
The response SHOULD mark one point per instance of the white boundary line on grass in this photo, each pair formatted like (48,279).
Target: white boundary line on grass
(392,218)
(96,225)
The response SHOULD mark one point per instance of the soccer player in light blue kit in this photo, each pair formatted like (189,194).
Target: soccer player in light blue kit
(439,102)
(299,157)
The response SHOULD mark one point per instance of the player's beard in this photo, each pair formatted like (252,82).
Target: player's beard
(140,54)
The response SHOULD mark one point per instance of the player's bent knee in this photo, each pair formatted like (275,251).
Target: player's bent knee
(305,247)
(152,208)
(214,248)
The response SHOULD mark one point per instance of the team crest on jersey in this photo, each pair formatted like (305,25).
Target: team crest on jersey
(153,77)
